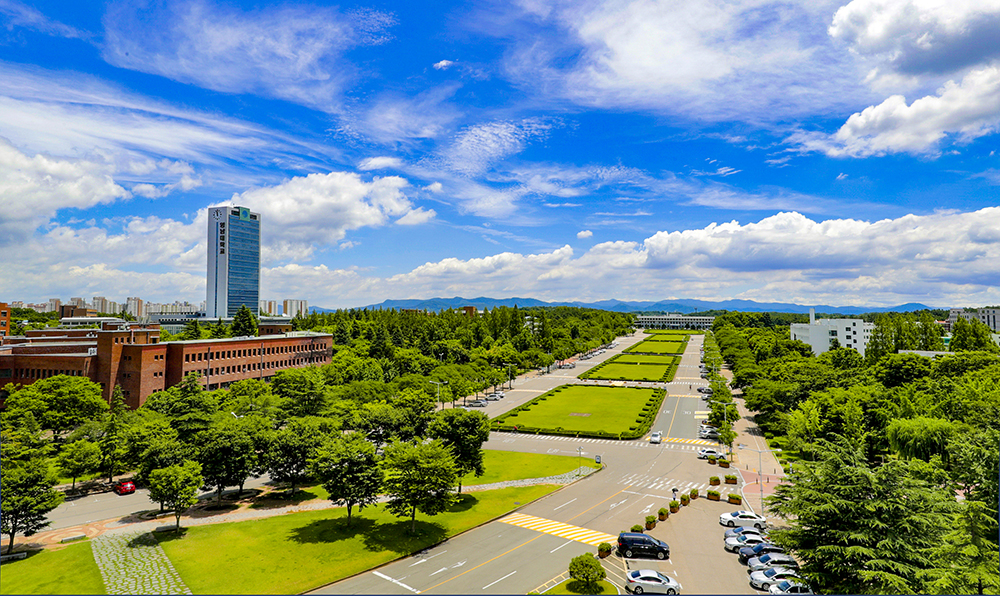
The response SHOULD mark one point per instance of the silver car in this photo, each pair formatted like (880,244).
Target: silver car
(742,518)
(772,560)
(790,586)
(743,530)
(656,437)
(735,543)
(765,578)
(643,581)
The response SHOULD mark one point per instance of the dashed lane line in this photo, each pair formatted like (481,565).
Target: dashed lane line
(560,529)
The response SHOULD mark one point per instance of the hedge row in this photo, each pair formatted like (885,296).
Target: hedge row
(668,376)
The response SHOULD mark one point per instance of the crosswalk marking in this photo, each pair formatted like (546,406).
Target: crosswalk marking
(681,443)
(560,529)
(648,482)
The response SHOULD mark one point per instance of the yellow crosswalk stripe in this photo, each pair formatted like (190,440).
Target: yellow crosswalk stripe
(530,522)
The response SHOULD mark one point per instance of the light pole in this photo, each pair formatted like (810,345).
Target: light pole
(579,452)
(439,390)
(507,366)
(760,470)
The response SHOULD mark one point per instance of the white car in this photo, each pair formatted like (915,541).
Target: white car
(493,397)
(656,437)
(706,453)
(643,581)
(790,586)
(735,543)
(742,518)
(764,579)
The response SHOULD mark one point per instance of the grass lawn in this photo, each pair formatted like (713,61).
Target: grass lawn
(584,408)
(628,371)
(657,347)
(289,554)
(68,570)
(642,359)
(676,332)
(572,586)
(511,465)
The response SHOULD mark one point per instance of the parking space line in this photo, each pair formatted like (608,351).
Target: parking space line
(397,582)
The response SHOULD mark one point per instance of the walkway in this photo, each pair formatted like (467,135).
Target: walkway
(133,562)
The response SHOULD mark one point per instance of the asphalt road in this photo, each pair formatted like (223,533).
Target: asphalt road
(638,478)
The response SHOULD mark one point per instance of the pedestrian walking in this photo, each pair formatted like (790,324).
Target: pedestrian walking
(675,493)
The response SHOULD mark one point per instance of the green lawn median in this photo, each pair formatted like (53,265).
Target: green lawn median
(290,554)
(62,570)
(586,411)
(628,367)
(652,346)
(502,466)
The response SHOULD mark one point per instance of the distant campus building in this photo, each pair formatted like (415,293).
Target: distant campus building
(673,321)
(819,334)
(130,354)
(990,316)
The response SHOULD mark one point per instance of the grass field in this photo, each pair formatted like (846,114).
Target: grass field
(584,408)
(69,570)
(572,586)
(679,332)
(290,554)
(643,359)
(651,346)
(511,465)
(628,372)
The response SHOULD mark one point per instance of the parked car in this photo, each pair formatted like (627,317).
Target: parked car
(706,453)
(749,552)
(708,434)
(656,437)
(772,560)
(631,544)
(743,518)
(790,586)
(743,530)
(124,487)
(643,581)
(477,403)
(735,543)
(707,390)
(765,578)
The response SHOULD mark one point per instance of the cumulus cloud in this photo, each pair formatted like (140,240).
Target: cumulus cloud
(443,64)
(416,217)
(966,110)
(293,53)
(583,234)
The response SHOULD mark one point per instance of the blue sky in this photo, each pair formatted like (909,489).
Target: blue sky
(837,152)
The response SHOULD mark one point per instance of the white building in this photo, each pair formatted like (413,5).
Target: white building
(233,261)
(819,334)
(135,307)
(269,307)
(673,321)
(290,308)
(990,316)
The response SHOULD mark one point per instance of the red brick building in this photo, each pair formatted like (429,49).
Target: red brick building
(4,320)
(131,355)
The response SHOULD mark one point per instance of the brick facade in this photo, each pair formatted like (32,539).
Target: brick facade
(4,320)
(131,355)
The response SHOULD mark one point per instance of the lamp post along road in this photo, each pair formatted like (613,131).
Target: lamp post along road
(760,470)
(439,391)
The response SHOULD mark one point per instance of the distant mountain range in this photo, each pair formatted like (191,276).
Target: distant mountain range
(676,306)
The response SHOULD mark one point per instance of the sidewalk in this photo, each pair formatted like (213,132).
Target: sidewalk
(756,469)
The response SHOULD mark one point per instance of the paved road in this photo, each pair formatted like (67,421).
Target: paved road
(503,558)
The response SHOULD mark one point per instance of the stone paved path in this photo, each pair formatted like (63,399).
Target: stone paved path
(132,562)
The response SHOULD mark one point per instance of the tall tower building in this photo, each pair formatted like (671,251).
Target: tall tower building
(233,261)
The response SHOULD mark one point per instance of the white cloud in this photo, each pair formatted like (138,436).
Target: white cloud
(476,148)
(293,53)
(965,110)
(380,163)
(916,37)
(18,14)
(35,187)
(392,118)
(583,234)
(443,64)
(841,176)
(416,217)
(434,187)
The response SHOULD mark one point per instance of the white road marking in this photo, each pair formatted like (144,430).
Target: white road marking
(558,547)
(398,583)
(424,560)
(618,503)
(500,580)
(563,505)
(439,571)
(459,564)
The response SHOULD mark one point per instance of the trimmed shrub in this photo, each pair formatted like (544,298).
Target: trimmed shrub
(694,493)
(713,495)
(685,499)
(637,528)
(735,499)
(730,478)
(663,513)
(714,481)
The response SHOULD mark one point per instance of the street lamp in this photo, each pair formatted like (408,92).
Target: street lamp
(760,470)
(509,382)
(579,452)
(439,390)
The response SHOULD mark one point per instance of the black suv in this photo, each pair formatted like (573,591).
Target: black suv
(632,544)
(757,550)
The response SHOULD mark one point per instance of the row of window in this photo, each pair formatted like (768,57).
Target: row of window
(38,373)
(221,354)
(244,368)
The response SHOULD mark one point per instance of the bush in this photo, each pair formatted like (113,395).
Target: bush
(674,504)
(713,480)
(735,499)
(694,493)
(713,493)
(685,499)
(586,569)
(663,512)
(638,528)
(730,477)
(604,548)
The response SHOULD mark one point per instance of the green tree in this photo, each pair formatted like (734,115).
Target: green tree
(858,529)
(228,456)
(79,458)
(187,406)
(587,570)
(464,432)
(60,403)
(244,323)
(291,450)
(26,497)
(191,331)
(301,391)
(251,397)
(112,443)
(920,437)
(967,560)
(218,330)
(176,487)
(418,477)
(971,336)
(348,468)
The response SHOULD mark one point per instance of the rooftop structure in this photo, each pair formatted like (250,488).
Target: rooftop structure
(233,261)
(819,334)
